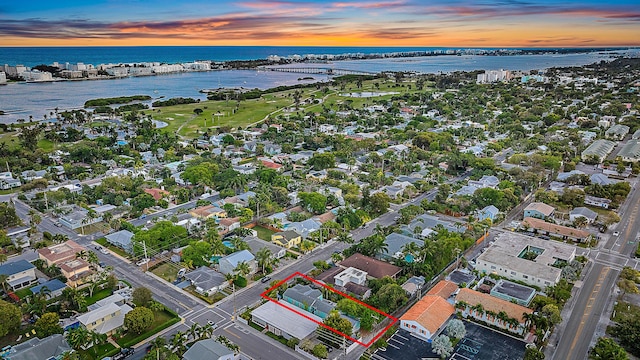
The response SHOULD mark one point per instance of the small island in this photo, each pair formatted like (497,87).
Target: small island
(115,100)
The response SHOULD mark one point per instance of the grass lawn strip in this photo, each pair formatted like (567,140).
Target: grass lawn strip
(163,319)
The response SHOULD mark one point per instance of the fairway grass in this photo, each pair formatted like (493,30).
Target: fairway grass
(221,113)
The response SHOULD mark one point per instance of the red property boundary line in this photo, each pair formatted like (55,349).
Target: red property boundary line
(394,320)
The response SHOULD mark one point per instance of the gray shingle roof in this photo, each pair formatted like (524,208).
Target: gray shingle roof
(36,348)
(396,242)
(208,349)
(600,148)
(238,257)
(630,150)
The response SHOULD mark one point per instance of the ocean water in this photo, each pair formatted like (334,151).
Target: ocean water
(32,56)
(21,100)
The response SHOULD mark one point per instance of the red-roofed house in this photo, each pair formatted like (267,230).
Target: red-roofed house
(444,289)
(427,316)
(498,312)
(271,165)
(157,193)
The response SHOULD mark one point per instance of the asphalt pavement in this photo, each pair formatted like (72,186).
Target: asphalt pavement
(591,296)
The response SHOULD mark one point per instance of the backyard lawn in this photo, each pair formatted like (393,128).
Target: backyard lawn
(263,233)
(97,296)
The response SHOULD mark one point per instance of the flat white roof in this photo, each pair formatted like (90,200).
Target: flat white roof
(508,245)
(286,320)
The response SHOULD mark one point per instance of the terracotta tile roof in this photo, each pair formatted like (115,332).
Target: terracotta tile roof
(431,311)
(156,193)
(444,289)
(229,221)
(271,164)
(556,229)
(375,268)
(490,303)
(202,210)
(328,216)
(61,252)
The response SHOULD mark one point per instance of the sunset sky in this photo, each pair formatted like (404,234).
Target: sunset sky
(486,23)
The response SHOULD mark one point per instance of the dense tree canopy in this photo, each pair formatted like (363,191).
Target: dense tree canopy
(9,318)
(139,319)
(337,322)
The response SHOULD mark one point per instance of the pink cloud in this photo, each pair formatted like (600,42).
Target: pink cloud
(369,5)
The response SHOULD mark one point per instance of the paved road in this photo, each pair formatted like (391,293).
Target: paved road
(577,333)
(253,345)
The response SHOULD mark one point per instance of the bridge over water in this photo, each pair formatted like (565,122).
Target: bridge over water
(317,70)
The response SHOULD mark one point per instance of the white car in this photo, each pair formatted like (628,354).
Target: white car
(142,262)
(104,251)
(616,233)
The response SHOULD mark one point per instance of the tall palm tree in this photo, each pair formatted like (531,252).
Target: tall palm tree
(207,331)
(243,268)
(529,320)
(239,244)
(78,338)
(157,344)
(3,282)
(59,238)
(194,331)
(218,248)
(97,339)
(377,245)
(264,256)
(177,342)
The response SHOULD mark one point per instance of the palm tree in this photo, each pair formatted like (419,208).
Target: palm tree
(59,238)
(97,339)
(239,244)
(529,320)
(243,268)
(503,317)
(479,309)
(377,245)
(3,258)
(207,331)
(158,343)
(264,256)
(218,248)
(194,331)
(156,306)
(78,338)
(306,246)
(177,343)
(107,216)
(3,282)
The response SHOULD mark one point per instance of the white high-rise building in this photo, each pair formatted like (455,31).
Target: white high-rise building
(494,76)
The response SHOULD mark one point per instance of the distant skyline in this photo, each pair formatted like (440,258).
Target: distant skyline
(487,23)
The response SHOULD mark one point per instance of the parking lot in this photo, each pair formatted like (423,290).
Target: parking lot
(482,343)
(403,346)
